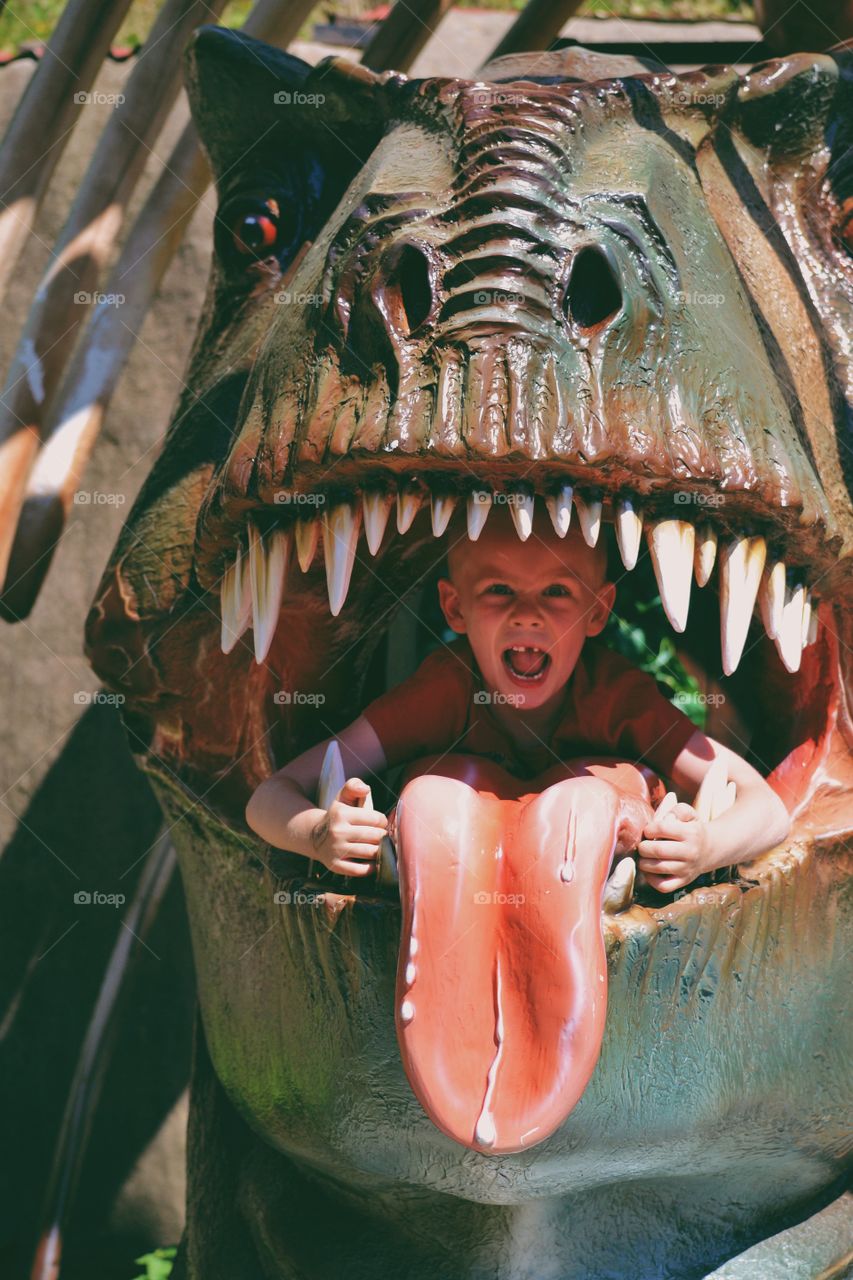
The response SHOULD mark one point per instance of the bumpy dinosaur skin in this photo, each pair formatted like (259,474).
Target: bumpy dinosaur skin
(578,271)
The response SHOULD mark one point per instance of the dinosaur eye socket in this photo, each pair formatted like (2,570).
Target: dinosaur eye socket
(254,234)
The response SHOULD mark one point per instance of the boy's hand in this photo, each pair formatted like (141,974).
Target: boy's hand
(347,839)
(675,849)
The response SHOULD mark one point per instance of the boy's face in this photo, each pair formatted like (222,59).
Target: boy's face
(526,607)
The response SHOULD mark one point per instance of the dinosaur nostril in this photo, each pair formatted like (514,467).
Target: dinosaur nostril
(593,294)
(408,289)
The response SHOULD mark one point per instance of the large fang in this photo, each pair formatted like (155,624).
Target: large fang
(589,515)
(479,506)
(559,506)
(377,506)
(629,531)
(340,539)
(267,568)
(619,890)
(789,637)
(409,499)
(521,510)
(813,622)
(705,554)
(442,510)
(771,598)
(235,594)
(671,543)
(807,617)
(306,535)
(741,567)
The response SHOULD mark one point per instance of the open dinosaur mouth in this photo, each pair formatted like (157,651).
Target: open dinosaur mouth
(309,586)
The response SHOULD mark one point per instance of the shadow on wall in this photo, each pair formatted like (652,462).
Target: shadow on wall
(86,832)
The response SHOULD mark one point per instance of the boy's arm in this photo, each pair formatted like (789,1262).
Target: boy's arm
(283,811)
(680,847)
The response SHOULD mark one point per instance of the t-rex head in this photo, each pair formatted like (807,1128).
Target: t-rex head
(577,273)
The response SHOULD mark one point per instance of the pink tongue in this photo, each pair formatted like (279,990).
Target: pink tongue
(502,976)
(525,663)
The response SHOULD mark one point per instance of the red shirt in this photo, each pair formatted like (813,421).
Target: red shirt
(609,708)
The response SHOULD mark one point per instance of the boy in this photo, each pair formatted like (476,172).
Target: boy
(523,686)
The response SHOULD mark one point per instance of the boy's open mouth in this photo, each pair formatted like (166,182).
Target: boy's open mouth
(527,663)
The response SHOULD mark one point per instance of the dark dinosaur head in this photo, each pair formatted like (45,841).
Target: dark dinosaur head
(576,276)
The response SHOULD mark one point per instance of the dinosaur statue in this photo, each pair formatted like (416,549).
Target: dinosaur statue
(595,284)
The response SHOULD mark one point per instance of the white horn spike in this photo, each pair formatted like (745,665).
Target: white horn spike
(789,637)
(771,597)
(409,499)
(479,506)
(306,536)
(619,890)
(340,538)
(629,531)
(559,506)
(741,566)
(376,504)
(671,543)
(235,595)
(705,554)
(442,510)
(268,556)
(521,510)
(589,515)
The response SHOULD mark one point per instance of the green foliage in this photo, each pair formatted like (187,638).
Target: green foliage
(158,1265)
(642,634)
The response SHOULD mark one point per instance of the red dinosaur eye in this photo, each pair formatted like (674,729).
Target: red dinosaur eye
(255,234)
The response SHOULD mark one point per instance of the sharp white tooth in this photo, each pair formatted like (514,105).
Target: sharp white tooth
(235,594)
(741,567)
(409,499)
(268,555)
(807,617)
(306,536)
(376,504)
(340,539)
(521,510)
(442,510)
(671,543)
(771,597)
(789,637)
(479,506)
(619,890)
(629,531)
(559,506)
(813,624)
(705,554)
(589,515)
